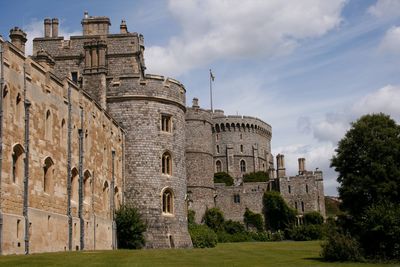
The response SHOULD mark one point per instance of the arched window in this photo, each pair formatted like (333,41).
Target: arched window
(242,166)
(87,186)
(106,198)
(166,164)
(17,164)
(168,201)
(74,185)
(241,148)
(48,126)
(48,174)
(218,166)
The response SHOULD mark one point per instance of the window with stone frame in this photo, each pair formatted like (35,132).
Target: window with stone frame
(236,198)
(166,164)
(17,164)
(48,174)
(217,149)
(218,166)
(168,201)
(166,123)
(74,185)
(242,166)
(48,126)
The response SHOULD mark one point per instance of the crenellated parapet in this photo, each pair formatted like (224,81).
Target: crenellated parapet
(240,123)
(152,87)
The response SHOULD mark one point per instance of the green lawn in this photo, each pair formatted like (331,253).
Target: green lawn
(232,254)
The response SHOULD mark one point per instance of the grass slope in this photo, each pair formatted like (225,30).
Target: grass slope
(232,254)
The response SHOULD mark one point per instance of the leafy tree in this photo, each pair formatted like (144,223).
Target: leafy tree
(252,219)
(313,217)
(214,218)
(259,176)
(278,215)
(367,161)
(223,177)
(233,227)
(130,227)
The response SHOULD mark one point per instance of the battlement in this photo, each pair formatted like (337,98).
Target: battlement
(239,123)
(152,87)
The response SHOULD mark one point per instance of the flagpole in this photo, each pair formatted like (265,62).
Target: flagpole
(211,91)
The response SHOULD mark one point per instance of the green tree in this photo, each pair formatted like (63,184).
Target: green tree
(313,217)
(130,228)
(252,219)
(259,176)
(214,218)
(278,215)
(367,160)
(223,177)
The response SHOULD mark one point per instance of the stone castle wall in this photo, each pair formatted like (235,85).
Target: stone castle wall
(233,200)
(304,192)
(111,69)
(47,196)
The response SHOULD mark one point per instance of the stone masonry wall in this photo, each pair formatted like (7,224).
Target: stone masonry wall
(199,161)
(48,143)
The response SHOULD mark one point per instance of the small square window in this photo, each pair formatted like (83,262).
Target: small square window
(166,123)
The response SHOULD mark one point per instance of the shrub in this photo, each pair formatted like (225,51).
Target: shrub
(232,227)
(214,219)
(191,217)
(278,215)
(381,224)
(202,236)
(254,220)
(224,237)
(223,177)
(259,176)
(260,236)
(306,232)
(341,247)
(278,236)
(313,217)
(130,228)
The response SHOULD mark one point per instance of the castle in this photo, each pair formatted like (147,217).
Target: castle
(83,130)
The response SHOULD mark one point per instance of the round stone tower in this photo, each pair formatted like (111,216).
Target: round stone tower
(199,159)
(242,145)
(152,111)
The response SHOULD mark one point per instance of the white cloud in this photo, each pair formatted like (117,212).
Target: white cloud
(386,100)
(35,29)
(385,9)
(236,29)
(391,41)
(332,128)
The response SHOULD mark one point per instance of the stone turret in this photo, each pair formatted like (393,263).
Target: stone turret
(123,28)
(280,163)
(18,38)
(199,160)
(95,25)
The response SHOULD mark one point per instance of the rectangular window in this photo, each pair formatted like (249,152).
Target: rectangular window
(302,206)
(166,124)
(289,189)
(74,76)
(236,198)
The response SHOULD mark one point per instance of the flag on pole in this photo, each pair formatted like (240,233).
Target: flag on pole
(212,76)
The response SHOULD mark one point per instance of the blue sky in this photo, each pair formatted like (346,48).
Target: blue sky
(307,67)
